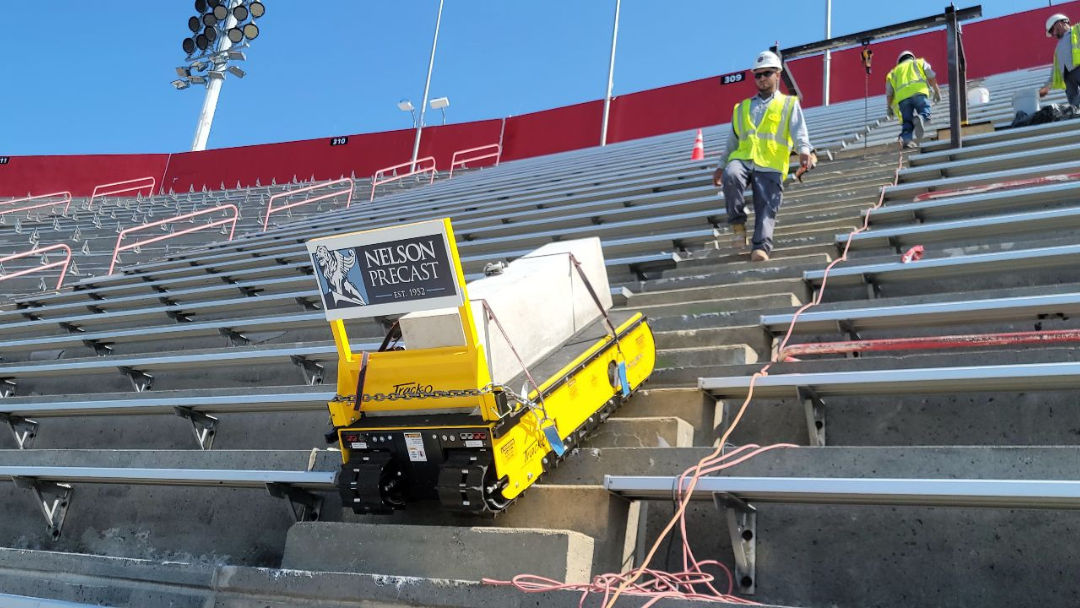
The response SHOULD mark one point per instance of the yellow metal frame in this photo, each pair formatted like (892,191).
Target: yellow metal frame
(571,396)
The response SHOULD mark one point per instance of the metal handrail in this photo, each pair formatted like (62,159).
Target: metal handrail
(497,155)
(270,206)
(131,187)
(419,169)
(213,224)
(66,196)
(45,266)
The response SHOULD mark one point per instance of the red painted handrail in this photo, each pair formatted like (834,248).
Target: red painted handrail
(271,209)
(420,168)
(128,185)
(213,224)
(497,154)
(65,199)
(38,251)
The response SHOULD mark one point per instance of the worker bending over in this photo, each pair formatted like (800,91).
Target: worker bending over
(1064,74)
(764,129)
(907,88)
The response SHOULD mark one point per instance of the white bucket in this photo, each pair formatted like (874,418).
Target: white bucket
(1026,101)
(978,96)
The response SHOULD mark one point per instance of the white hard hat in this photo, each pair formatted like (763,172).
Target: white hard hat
(1052,20)
(905,54)
(767,59)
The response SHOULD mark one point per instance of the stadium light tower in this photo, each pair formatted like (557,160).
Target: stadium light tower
(828,53)
(610,77)
(427,87)
(219,32)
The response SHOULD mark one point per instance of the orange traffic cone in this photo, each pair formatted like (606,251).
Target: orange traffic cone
(699,147)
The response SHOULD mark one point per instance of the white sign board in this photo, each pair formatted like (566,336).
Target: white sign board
(390,271)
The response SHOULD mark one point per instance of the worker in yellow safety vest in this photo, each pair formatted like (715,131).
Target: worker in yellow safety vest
(1064,74)
(757,151)
(907,91)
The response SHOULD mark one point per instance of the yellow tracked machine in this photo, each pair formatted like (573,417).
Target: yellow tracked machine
(445,418)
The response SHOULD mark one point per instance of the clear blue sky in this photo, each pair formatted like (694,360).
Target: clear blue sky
(89,76)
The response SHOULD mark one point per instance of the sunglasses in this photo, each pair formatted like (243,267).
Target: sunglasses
(765,74)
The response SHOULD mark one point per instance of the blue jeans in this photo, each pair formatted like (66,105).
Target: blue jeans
(908,108)
(768,196)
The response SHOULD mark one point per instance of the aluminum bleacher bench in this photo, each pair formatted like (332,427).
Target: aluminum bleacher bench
(905,191)
(1008,200)
(813,388)
(736,497)
(977,166)
(932,314)
(1038,142)
(1007,135)
(52,485)
(137,368)
(873,275)
(958,230)
(21,414)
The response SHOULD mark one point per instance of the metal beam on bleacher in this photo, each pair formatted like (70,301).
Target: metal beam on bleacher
(997,493)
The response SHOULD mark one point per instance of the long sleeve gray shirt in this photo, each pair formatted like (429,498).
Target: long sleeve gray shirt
(758,104)
(1063,53)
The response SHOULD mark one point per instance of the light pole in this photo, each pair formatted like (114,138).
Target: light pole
(610,76)
(828,53)
(427,87)
(226,25)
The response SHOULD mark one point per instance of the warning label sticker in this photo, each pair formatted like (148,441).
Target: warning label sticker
(414,442)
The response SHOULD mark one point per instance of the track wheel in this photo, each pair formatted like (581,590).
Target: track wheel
(468,484)
(371,484)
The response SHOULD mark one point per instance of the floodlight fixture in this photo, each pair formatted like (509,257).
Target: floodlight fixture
(194,24)
(209,20)
(235,34)
(198,80)
(198,66)
(212,4)
(200,6)
(257,9)
(221,12)
(236,71)
(215,75)
(202,42)
(440,103)
(236,55)
(241,13)
(211,34)
(189,45)
(251,31)
(183,72)
(405,105)
(180,84)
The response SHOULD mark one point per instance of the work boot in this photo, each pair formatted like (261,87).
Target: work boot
(920,128)
(759,255)
(738,236)
(911,145)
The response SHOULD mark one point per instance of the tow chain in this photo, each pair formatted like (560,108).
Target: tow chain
(450,394)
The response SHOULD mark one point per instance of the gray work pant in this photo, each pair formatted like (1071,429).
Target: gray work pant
(768,191)
(1072,86)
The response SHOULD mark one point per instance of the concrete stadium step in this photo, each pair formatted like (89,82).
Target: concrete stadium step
(136,583)
(704,307)
(707,356)
(589,510)
(688,404)
(753,336)
(458,552)
(660,432)
(708,272)
(713,292)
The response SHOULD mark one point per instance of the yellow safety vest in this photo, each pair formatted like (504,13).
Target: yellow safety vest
(908,80)
(769,143)
(1059,78)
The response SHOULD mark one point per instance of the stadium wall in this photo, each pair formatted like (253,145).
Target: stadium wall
(993,46)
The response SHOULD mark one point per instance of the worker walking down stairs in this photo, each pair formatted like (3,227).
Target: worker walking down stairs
(764,130)
(1064,74)
(907,91)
